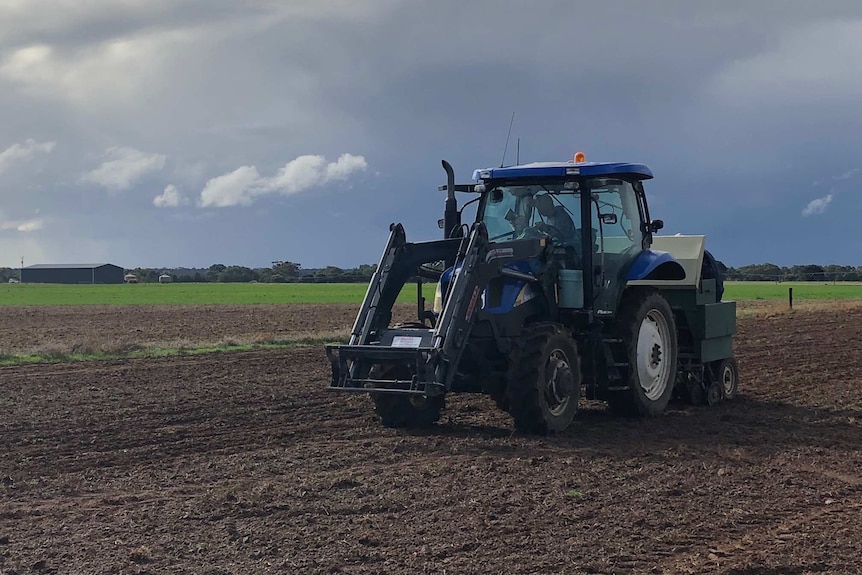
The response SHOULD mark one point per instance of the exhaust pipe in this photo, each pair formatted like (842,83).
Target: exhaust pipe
(451,217)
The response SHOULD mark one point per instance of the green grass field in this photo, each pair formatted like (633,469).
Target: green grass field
(190,294)
(745,291)
(226,294)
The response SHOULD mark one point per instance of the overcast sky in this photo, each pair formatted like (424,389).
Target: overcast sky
(170,133)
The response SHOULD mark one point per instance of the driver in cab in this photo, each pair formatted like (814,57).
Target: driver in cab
(556,221)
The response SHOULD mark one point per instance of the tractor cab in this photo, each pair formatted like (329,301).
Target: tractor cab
(594,217)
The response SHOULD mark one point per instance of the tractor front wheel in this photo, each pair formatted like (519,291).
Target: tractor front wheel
(649,332)
(544,379)
(404,411)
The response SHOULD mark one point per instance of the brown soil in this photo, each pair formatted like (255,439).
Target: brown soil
(243,463)
(108,328)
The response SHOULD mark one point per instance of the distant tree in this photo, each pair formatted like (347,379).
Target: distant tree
(214,272)
(365,272)
(836,273)
(760,272)
(264,275)
(286,269)
(9,273)
(812,273)
(235,274)
(329,274)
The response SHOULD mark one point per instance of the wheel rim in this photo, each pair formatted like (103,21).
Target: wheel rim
(559,382)
(653,364)
(728,380)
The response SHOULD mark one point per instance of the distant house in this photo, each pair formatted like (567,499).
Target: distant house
(165,279)
(131,279)
(72,274)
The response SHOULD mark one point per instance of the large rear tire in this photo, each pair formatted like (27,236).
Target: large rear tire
(709,270)
(404,411)
(544,379)
(646,323)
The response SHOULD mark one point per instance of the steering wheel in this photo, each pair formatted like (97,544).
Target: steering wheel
(537,230)
(540,228)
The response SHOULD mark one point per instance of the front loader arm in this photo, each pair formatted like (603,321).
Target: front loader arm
(368,311)
(434,354)
(480,262)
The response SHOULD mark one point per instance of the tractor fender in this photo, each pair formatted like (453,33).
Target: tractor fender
(655,265)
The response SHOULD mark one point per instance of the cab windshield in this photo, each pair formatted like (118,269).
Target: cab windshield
(554,209)
(515,212)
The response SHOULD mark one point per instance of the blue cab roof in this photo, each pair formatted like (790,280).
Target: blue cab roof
(561,169)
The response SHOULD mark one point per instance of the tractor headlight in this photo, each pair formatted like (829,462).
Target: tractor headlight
(438,299)
(525,295)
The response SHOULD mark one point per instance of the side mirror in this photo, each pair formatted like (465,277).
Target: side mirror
(496,196)
(656,225)
(609,219)
(441,223)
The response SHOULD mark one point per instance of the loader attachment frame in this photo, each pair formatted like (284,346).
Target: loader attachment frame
(429,355)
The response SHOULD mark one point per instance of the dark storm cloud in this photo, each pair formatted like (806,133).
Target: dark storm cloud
(738,107)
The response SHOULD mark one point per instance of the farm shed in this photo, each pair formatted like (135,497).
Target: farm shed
(72,274)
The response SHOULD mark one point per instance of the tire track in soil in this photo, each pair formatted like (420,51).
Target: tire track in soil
(243,463)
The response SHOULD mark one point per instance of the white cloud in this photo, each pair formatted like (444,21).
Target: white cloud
(20,152)
(125,166)
(297,175)
(346,165)
(233,189)
(244,185)
(817,206)
(26,226)
(170,198)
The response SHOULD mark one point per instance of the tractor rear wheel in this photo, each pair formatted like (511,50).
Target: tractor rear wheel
(544,379)
(649,332)
(404,411)
(709,270)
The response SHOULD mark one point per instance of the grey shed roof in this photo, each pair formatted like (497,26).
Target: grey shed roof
(66,266)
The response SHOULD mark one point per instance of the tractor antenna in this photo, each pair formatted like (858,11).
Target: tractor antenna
(518,153)
(506,147)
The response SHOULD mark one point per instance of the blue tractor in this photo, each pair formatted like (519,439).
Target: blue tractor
(560,289)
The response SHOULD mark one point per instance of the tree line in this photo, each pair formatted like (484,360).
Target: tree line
(280,272)
(292,272)
(798,273)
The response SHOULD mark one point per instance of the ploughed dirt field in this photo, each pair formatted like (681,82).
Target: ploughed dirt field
(103,328)
(243,463)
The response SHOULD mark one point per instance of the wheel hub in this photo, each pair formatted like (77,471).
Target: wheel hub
(727,380)
(655,357)
(559,382)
